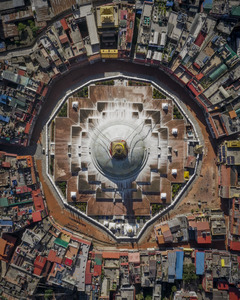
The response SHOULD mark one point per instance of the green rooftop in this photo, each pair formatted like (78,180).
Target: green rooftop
(3,202)
(20,203)
(218,72)
(98,261)
(232,53)
(21,103)
(235,11)
(61,243)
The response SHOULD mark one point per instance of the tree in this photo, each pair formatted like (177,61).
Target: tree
(174,289)
(189,273)
(139,297)
(34,30)
(21,27)
(148,297)
(63,111)
(31,23)
(48,294)
(102,275)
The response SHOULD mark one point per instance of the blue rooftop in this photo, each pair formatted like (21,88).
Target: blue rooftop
(3,97)
(169,3)
(2,45)
(200,263)
(179,264)
(6,223)
(207,3)
(4,119)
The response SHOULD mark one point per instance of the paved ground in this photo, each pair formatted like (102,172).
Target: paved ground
(66,219)
(78,76)
(205,189)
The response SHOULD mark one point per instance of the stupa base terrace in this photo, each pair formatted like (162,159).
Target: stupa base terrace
(120,153)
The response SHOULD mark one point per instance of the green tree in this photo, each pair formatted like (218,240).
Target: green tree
(148,297)
(63,111)
(173,290)
(31,23)
(189,273)
(34,30)
(158,95)
(102,275)
(21,27)
(139,297)
(48,294)
(62,185)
